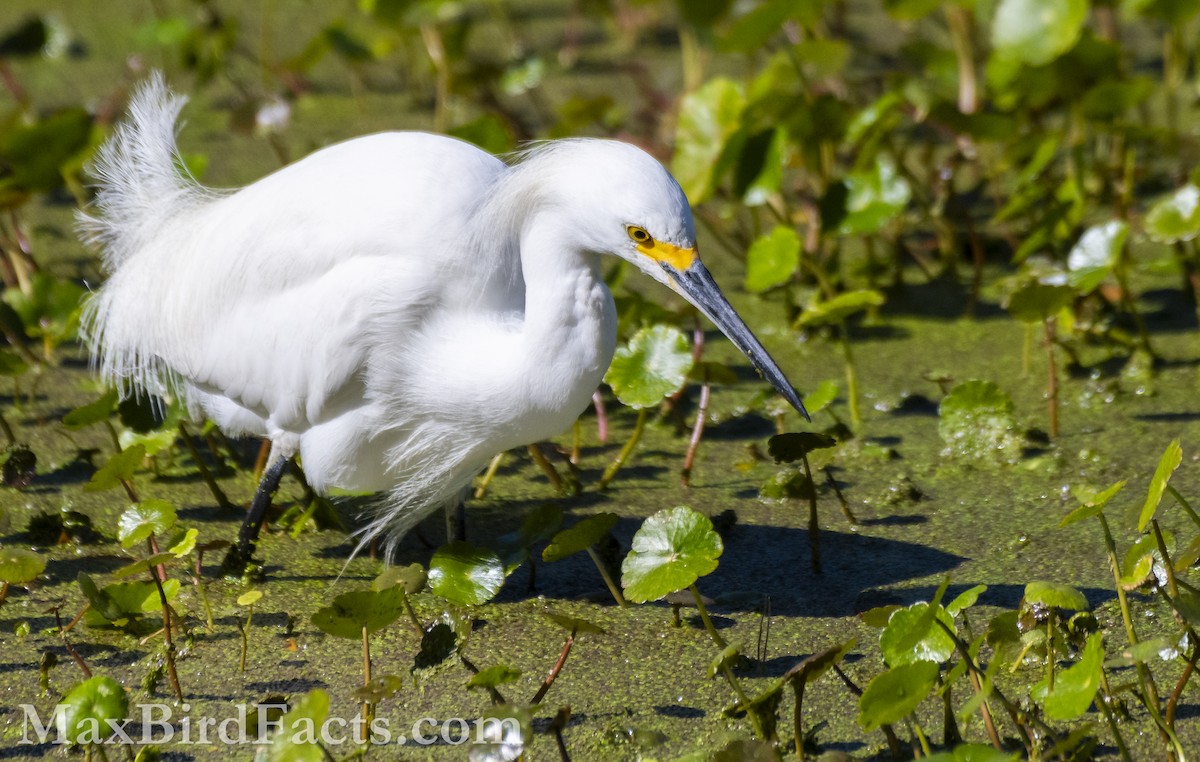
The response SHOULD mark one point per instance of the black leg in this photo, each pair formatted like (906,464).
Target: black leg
(239,555)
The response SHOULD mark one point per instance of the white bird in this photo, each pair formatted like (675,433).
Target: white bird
(396,309)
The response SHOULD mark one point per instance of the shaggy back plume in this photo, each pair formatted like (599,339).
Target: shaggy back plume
(140,180)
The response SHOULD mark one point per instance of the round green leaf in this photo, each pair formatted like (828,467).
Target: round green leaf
(464,574)
(772,259)
(145,564)
(1036,32)
(652,366)
(86,710)
(579,537)
(672,549)
(249,598)
(894,695)
(140,520)
(18,566)
(380,688)
(912,634)
(820,397)
(351,612)
(411,578)
(1036,302)
(1055,596)
(1176,217)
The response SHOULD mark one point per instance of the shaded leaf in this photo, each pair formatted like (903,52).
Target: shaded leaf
(493,676)
(793,446)
(579,537)
(836,310)
(1036,302)
(357,610)
(94,412)
(121,466)
(574,624)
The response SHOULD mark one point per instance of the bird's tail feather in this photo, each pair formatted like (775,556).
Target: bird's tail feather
(141,182)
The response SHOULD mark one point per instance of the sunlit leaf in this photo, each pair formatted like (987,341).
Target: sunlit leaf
(974,752)
(140,520)
(1035,32)
(464,574)
(1092,502)
(893,695)
(839,308)
(249,598)
(1094,256)
(119,467)
(821,396)
(708,117)
(1176,217)
(1075,686)
(1055,595)
(772,259)
(652,366)
(1167,464)
(965,600)
(296,740)
(18,565)
(84,713)
(913,634)
(671,550)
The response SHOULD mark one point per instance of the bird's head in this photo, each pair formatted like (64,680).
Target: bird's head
(636,210)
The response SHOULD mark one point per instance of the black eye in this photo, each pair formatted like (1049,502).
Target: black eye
(639,235)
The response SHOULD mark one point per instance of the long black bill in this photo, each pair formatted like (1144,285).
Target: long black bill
(698,286)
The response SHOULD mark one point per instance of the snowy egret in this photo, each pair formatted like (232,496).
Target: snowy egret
(396,309)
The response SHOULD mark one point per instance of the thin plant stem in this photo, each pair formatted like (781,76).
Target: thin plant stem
(246,637)
(205,474)
(697,431)
(601,417)
(708,625)
(553,675)
(638,427)
(608,580)
(172,675)
(1050,326)
(1185,505)
(851,376)
(1122,749)
(366,707)
(547,467)
(814,524)
(9,435)
(488,475)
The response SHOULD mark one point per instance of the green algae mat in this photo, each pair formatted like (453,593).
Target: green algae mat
(967,232)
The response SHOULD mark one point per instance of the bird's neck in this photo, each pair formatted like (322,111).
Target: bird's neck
(570,321)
